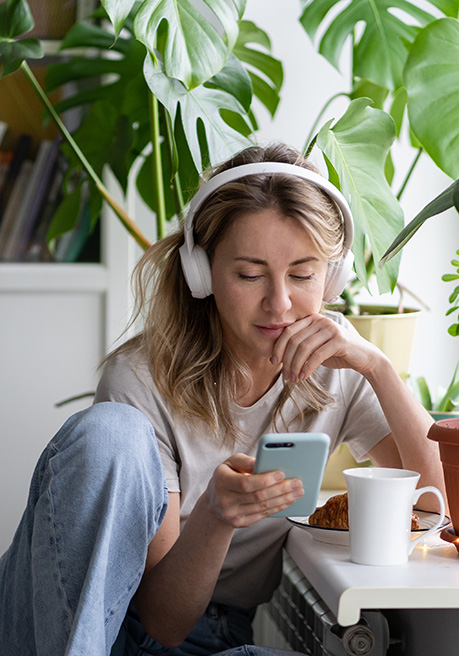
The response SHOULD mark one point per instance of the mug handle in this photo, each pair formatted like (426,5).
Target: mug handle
(441,517)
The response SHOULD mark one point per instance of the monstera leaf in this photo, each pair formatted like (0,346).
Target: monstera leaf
(15,20)
(192,49)
(200,106)
(448,198)
(266,87)
(380,51)
(355,149)
(432,82)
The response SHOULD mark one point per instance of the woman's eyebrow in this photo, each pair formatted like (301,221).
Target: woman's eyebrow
(255,260)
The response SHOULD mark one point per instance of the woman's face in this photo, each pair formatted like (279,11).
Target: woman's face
(266,274)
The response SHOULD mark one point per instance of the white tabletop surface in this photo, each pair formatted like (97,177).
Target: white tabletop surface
(430,579)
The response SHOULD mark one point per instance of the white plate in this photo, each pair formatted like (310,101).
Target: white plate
(341,535)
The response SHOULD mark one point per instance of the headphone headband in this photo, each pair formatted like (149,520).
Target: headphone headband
(195,263)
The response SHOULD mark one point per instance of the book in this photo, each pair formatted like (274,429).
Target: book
(5,161)
(37,249)
(3,129)
(33,201)
(20,154)
(14,203)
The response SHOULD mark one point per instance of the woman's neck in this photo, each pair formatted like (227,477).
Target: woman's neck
(261,383)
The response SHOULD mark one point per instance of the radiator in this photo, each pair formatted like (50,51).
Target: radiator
(297,618)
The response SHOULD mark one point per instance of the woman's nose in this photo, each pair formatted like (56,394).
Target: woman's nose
(277,298)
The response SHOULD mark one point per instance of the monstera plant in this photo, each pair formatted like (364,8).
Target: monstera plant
(176,83)
(406,59)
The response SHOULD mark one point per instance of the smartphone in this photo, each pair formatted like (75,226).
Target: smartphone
(298,455)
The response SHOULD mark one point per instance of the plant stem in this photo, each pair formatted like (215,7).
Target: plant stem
(125,219)
(310,147)
(310,141)
(409,174)
(158,181)
(177,185)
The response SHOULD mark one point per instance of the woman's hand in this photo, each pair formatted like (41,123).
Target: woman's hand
(318,340)
(240,498)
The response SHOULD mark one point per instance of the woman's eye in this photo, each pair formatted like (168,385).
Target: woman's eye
(243,276)
(309,277)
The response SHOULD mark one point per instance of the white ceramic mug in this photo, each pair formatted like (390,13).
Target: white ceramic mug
(380,505)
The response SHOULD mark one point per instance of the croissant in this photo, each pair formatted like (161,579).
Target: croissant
(334,514)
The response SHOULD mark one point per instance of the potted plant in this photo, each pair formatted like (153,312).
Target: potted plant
(388,56)
(446,403)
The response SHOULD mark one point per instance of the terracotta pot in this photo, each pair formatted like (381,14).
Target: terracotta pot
(446,433)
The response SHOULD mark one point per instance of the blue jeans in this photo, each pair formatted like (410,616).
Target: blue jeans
(97,498)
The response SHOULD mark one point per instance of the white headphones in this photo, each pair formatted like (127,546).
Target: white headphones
(195,263)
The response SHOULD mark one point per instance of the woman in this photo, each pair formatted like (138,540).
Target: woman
(235,344)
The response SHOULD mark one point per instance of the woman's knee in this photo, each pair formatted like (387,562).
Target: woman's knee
(111,442)
(109,430)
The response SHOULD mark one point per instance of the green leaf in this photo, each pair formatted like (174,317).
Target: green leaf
(265,93)
(193,49)
(88,35)
(266,72)
(451,394)
(380,51)
(258,60)
(13,53)
(234,79)
(15,20)
(438,205)
(66,215)
(456,200)
(432,82)
(423,392)
(201,105)
(118,11)
(367,89)
(397,109)
(357,147)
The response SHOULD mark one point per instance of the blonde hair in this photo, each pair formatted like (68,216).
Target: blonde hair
(191,364)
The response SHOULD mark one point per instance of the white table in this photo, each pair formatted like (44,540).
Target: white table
(430,579)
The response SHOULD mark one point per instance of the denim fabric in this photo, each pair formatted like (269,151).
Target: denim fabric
(96,500)
(220,628)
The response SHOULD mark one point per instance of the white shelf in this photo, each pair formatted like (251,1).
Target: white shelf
(53,277)
(430,579)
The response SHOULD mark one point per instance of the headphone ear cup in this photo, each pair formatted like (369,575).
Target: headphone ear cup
(196,269)
(337,276)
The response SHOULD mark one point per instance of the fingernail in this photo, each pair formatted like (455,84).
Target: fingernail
(278,476)
(296,484)
(302,375)
(273,359)
(286,375)
(298,493)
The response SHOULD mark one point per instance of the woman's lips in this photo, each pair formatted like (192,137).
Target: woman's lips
(272,331)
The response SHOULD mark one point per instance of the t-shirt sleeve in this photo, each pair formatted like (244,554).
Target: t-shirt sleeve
(364,423)
(122,382)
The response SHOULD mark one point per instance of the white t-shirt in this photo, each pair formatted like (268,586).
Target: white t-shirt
(190,453)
